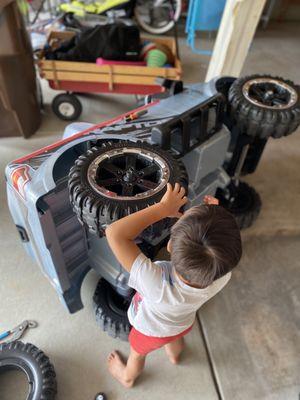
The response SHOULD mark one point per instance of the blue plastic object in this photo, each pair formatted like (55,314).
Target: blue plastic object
(17,332)
(75,127)
(203,15)
(4,335)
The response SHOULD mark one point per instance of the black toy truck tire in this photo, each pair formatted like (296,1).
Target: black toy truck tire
(31,360)
(69,100)
(245,206)
(111,311)
(259,115)
(96,210)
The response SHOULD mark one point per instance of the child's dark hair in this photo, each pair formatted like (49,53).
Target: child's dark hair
(205,244)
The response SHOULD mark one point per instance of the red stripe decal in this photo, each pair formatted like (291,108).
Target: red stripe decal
(85,132)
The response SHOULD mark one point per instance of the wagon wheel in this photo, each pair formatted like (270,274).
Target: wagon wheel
(66,106)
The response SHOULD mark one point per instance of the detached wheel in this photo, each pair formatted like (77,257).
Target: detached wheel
(67,107)
(243,202)
(265,106)
(118,178)
(111,311)
(35,364)
(157,17)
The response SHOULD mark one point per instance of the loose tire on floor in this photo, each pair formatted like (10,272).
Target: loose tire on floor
(118,178)
(66,106)
(111,311)
(244,203)
(265,106)
(35,364)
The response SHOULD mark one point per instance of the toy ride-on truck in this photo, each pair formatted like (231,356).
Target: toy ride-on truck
(204,135)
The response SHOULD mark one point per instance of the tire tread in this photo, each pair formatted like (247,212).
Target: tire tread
(257,121)
(41,361)
(95,210)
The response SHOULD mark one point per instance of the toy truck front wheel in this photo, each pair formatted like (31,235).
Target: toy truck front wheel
(118,178)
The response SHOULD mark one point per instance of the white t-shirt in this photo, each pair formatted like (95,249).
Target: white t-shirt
(164,305)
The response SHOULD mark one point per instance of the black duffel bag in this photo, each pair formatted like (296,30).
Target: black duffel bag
(116,41)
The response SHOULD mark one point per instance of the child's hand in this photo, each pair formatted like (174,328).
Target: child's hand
(173,200)
(210,200)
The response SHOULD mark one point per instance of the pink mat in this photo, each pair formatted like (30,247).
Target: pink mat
(102,61)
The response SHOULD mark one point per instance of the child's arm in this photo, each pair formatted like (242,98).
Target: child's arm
(121,234)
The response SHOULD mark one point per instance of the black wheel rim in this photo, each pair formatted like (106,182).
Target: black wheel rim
(241,204)
(240,201)
(128,174)
(270,93)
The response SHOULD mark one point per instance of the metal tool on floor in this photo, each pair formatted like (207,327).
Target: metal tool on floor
(100,396)
(17,332)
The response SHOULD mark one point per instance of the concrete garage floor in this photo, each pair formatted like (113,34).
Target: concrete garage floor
(249,345)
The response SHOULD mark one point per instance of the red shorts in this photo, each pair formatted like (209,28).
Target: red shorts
(144,344)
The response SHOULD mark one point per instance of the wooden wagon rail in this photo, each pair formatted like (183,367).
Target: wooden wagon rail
(107,78)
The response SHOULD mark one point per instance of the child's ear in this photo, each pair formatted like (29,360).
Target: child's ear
(169,246)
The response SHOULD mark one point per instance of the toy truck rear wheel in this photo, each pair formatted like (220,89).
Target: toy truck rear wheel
(111,310)
(265,106)
(242,201)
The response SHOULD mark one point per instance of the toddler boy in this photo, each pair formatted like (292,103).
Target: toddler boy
(205,245)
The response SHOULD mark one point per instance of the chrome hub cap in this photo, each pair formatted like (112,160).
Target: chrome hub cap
(270,93)
(128,174)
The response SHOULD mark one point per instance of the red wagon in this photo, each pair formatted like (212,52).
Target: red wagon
(82,77)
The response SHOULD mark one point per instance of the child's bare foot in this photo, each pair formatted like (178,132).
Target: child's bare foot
(117,369)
